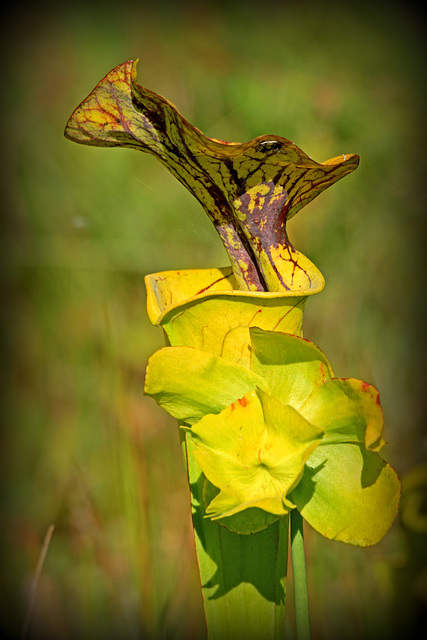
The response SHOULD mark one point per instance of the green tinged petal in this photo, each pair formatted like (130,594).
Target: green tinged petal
(348,410)
(348,494)
(291,366)
(189,383)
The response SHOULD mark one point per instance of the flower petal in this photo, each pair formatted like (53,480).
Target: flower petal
(348,410)
(254,451)
(189,383)
(291,366)
(348,494)
(246,522)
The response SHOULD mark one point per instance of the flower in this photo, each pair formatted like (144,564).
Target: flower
(268,424)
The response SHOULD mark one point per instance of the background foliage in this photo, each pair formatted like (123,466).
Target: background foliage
(81,447)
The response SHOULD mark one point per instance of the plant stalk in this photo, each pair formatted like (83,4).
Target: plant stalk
(243,577)
(302,615)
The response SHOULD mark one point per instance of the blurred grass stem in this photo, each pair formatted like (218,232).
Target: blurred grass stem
(37,573)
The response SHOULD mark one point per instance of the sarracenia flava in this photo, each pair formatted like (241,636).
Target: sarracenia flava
(266,428)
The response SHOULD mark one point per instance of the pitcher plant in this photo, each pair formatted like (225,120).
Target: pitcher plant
(269,436)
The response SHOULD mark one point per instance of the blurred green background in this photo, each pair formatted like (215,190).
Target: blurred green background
(82,449)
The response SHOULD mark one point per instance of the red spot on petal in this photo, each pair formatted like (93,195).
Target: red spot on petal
(243,401)
(324,374)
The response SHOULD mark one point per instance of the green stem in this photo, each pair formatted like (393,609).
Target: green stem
(243,577)
(302,615)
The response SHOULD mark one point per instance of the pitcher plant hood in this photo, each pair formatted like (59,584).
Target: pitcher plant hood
(249,190)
